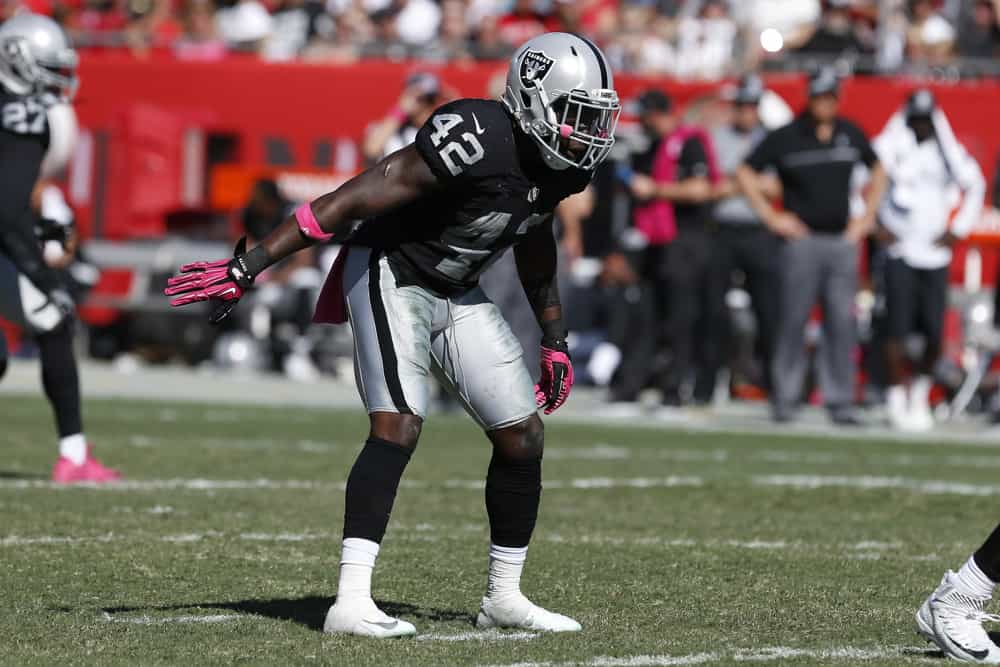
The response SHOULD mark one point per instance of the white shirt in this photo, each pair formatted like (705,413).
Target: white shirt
(925,187)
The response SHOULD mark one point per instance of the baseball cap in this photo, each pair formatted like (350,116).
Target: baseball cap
(652,100)
(427,83)
(824,81)
(921,104)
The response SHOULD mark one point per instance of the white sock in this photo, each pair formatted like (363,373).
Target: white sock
(971,580)
(895,398)
(357,560)
(506,564)
(74,448)
(920,391)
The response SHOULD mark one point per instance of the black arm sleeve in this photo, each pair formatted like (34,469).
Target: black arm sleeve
(536,258)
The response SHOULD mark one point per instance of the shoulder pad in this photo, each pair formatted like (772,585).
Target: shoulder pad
(467,140)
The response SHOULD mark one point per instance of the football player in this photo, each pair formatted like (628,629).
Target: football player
(952,617)
(37,71)
(481,176)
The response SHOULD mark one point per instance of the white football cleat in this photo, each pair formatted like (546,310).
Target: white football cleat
(360,616)
(517,611)
(954,622)
(921,420)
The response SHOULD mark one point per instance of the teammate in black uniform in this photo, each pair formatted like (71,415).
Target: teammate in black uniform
(482,176)
(37,69)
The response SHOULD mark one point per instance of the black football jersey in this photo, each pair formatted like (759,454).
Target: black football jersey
(24,139)
(496,190)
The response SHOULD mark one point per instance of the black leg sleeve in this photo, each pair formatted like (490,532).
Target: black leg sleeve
(513,493)
(371,488)
(988,556)
(4,355)
(60,379)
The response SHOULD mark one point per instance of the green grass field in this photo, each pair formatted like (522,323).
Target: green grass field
(669,547)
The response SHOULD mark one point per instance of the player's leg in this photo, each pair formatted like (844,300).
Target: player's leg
(900,302)
(391,329)
(758,259)
(478,357)
(952,617)
(716,332)
(838,291)
(799,286)
(4,355)
(682,272)
(26,306)
(932,302)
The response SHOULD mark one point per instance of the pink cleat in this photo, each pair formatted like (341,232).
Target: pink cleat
(91,470)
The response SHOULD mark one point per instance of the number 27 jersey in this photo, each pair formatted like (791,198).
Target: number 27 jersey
(496,190)
(24,138)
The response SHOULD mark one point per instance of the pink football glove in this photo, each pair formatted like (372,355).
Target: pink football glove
(556,380)
(224,281)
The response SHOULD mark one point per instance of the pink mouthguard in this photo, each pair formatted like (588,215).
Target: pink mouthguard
(565,131)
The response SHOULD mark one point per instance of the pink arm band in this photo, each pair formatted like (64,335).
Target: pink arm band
(308,224)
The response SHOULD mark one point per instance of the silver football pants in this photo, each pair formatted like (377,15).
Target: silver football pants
(403,334)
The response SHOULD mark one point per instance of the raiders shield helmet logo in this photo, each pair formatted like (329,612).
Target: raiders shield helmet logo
(534,66)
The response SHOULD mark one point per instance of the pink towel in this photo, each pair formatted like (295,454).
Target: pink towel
(330,307)
(655,219)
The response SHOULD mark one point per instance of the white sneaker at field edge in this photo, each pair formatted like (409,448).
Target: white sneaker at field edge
(920,417)
(896,409)
(954,622)
(517,611)
(360,616)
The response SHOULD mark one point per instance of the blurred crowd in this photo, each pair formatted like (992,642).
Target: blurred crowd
(702,39)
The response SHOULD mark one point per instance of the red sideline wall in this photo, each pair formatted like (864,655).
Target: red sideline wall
(304,102)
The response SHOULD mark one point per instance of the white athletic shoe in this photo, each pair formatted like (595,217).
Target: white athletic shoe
(954,622)
(921,417)
(517,611)
(896,408)
(360,616)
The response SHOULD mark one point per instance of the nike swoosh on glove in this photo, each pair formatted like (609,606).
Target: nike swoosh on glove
(556,380)
(224,281)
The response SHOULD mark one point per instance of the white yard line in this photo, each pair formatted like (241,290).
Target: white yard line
(478,636)
(596,452)
(871,482)
(433,533)
(160,620)
(284,484)
(771,654)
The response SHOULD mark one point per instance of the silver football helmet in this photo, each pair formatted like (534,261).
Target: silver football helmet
(561,92)
(36,57)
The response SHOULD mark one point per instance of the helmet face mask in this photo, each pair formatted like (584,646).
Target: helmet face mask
(36,58)
(560,91)
(581,130)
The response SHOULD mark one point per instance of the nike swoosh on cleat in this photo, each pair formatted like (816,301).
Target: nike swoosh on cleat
(231,290)
(384,626)
(978,655)
(479,128)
